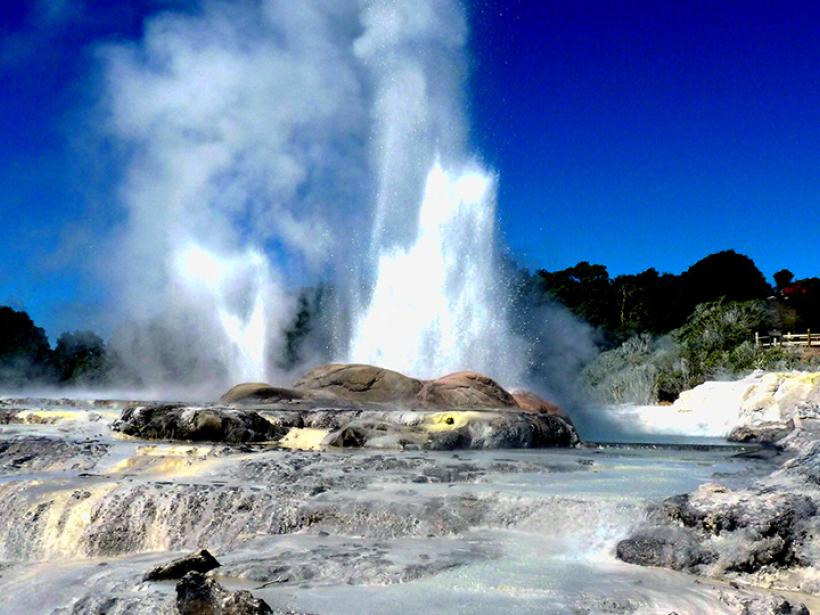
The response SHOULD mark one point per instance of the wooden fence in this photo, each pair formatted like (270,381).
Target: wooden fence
(788,339)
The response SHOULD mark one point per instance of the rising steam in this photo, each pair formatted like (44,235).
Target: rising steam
(271,140)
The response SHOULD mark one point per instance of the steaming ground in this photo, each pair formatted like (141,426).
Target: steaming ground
(86,514)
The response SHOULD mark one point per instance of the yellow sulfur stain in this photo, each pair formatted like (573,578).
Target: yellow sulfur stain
(446,421)
(167,460)
(68,517)
(304,439)
(49,417)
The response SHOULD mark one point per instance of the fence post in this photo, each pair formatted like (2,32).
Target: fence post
(808,338)
(757,339)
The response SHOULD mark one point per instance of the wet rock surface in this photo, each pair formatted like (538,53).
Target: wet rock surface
(49,453)
(768,533)
(177,422)
(328,532)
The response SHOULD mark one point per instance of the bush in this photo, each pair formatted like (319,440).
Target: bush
(714,343)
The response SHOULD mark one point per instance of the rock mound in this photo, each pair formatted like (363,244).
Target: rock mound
(259,392)
(465,389)
(453,429)
(174,422)
(362,383)
(358,383)
(354,406)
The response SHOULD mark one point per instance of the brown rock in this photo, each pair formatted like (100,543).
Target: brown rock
(363,383)
(530,402)
(465,390)
(252,392)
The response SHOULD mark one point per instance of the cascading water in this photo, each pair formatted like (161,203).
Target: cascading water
(434,306)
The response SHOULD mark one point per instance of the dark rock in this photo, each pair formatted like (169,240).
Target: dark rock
(350,436)
(201,561)
(175,422)
(199,595)
(666,547)
(716,531)
(764,433)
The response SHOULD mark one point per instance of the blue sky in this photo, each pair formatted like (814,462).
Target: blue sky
(651,133)
(632,134)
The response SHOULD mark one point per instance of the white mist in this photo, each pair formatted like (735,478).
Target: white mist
(435,305)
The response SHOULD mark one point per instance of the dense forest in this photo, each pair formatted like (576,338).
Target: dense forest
(657,334)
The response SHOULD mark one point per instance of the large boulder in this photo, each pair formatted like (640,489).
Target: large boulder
(199,595)
(176,422)
(465,390)
(361,383)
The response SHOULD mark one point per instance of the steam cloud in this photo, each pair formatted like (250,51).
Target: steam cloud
(268,141)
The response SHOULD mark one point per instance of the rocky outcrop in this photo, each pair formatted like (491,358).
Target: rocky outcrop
(199,595)
(370,384)
(363,406)
(763,398)
(367,406)
(201,561)
(767,534)
(762,433)
(176,422)
(453,429)
(362,383)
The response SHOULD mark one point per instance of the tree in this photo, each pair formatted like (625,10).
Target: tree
(727,275)
(80,357)
(646,302)
(585,290)
(803,296)
(783,278)
(25,354)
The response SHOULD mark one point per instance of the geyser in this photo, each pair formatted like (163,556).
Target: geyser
(237,288)
(318,139)
(435,306)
